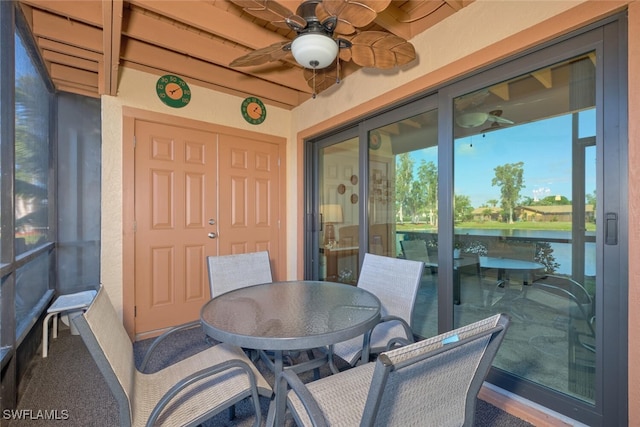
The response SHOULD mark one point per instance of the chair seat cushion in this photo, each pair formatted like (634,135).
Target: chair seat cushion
(341,397)
(187,407)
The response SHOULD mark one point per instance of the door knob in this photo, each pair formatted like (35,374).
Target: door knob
(212,235)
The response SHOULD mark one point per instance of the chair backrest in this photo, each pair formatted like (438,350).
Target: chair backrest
(230,272)
(415,250)
(110,347)
(562,294)
(394,281)
(435,381)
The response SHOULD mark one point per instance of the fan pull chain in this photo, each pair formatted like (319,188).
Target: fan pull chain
(314,64)
(314,84)
(338,69)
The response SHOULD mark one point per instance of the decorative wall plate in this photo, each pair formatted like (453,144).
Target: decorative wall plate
(354,198)
(341,189)
(354,179)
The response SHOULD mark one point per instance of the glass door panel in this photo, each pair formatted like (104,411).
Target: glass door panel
(403,203)
(524,220)
(339,206)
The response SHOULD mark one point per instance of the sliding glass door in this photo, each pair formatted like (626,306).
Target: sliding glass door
(524,216)
(338,203)
(403,198)
(508,185)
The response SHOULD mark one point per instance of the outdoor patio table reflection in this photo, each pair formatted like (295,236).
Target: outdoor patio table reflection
(295,315)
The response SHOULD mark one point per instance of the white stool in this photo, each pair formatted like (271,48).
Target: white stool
(64,303)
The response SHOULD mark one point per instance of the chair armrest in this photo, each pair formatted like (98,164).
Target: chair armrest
(199,376)
(292,380)
(396,340)
(407,329)
(162,337)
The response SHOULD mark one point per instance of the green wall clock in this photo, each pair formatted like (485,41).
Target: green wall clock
(253,110)
(375,141)
(173,91)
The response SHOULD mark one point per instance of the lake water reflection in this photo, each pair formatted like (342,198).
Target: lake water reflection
(560,242)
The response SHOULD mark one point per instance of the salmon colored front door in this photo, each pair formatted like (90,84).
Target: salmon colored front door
(197,193)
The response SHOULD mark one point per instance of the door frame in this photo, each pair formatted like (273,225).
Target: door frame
(129,117)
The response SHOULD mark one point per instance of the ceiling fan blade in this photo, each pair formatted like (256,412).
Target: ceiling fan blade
(496,117)
(379,49)
(324,78)
(270,53)
(342,27)
(270,11)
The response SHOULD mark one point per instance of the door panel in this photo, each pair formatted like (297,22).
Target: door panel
(249,208)
(175,171)
(181,173)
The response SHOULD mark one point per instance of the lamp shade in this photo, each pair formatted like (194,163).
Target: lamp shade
(331,213)
(314,50)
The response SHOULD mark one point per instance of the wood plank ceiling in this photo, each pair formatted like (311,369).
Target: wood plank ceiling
(84,44)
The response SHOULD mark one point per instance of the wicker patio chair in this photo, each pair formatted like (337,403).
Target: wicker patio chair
(434,382)
(395,282)
(185,393)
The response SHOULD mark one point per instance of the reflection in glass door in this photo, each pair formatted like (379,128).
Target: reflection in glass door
(524,219)
(339,202)
(403,204)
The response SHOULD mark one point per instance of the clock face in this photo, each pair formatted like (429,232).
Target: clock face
(374,140)
(253,110)
(173,91)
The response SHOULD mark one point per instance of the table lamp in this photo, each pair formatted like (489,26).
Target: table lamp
(331,214)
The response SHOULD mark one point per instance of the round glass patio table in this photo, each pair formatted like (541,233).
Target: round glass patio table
(293,315)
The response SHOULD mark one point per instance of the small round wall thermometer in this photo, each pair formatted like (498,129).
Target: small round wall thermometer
(173,91)
(253,110)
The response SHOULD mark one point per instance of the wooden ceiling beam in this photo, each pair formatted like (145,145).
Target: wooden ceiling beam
(66,83)
(65,49)
(544,76)
(72,61)
(162,33)
(112,12)
(62,30)
(70,74)
(189,67)
(88,12)
(64,87)
(205,16)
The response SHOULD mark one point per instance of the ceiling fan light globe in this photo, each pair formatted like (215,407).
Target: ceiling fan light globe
(471,120)
(314,50)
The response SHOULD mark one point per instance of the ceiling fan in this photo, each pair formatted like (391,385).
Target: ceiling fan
(475,119)
(327,33)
